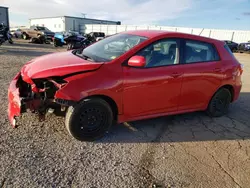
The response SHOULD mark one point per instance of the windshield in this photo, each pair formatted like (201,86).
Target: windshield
(71,33)
(42,29)
(99,34)
(112,47)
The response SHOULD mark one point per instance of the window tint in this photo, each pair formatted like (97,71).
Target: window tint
(162,53)
(196,51)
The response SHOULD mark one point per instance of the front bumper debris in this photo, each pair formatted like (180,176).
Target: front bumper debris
(24,94)
(14,105)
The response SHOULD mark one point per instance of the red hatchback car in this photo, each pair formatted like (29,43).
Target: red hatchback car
(129,76)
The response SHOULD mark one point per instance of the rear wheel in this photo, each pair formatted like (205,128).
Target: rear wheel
(220,102)
(32,40)
(89,120)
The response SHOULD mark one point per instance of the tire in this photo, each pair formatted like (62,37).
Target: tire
(220,102)
(55,43)
(25,36)
(33,40)
(70,46)
(89,120)
(41,39)
(10,41)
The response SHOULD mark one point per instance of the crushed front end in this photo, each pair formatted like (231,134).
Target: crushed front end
(35,95)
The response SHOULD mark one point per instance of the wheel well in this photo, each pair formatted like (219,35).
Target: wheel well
(231,89)
(110,101)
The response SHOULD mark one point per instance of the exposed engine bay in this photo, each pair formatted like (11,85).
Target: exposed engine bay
(39,97)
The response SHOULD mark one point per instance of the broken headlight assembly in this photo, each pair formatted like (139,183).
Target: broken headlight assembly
(41,98)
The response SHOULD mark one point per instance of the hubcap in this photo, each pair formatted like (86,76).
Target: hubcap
(91,120)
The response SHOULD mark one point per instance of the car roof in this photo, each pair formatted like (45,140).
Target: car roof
(158,33)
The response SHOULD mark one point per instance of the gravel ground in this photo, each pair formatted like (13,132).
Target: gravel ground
(190,150)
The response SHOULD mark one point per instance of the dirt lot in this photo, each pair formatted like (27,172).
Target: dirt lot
(190,150)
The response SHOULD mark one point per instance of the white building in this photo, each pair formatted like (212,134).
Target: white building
(4,15)
(65,23)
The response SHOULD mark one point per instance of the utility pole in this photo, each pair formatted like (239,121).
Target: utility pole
(84,15)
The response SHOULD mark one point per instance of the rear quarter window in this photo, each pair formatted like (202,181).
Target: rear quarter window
(229,50)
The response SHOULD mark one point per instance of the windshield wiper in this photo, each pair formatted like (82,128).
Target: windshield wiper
(85,57)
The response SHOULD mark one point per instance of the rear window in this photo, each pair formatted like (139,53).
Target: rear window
(229,50)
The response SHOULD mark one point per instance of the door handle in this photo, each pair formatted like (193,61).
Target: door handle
(217,70)
(176,75)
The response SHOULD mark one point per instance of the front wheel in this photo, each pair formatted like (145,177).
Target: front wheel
(220,102)
(89,120)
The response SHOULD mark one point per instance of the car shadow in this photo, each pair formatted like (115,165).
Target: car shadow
(33,45)
(30,53)
(190,127)
(23,45)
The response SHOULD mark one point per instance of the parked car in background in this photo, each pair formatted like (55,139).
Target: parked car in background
(95,36)
(244,47)
(232,45)
(5,34)
(17,33)
(38,32)
(72,39)
(129,76)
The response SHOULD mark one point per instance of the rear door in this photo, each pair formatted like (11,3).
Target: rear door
(202,74)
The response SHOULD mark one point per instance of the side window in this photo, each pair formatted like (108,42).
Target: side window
(229,50)
(161,53)
(196,51)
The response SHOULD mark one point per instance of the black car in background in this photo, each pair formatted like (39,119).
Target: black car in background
(232,45)
(244,47)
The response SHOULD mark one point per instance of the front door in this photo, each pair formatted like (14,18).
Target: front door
(156,87)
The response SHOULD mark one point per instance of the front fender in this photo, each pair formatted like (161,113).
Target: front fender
(91,84)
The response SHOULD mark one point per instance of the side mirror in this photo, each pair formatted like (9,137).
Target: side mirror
(137,61)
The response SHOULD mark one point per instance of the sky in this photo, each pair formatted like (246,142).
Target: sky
(215,14)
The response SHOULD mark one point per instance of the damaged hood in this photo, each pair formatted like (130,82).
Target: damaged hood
(57,64)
